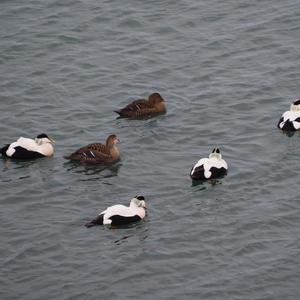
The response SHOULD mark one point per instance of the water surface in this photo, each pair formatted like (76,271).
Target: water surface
(227,71)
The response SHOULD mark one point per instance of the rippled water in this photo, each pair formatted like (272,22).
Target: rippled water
(227,69)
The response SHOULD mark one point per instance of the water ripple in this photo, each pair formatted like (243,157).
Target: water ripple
(227,71)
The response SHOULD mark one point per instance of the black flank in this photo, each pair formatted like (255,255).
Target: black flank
(217,172)
(198,173)
(22,153)
(121,220)
(288,126)
(297,120)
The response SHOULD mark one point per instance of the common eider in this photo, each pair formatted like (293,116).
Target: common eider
(209,168)
(119,214)
(290,120)
(143,108)
(97,153)
(25,148)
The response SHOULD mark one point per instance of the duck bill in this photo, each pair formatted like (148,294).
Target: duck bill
(51,140)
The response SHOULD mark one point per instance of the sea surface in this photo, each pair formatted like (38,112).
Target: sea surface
(227,70)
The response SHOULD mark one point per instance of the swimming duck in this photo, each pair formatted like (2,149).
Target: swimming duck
(120,214)
(25,148)
(97,153)
(208,168)
(290,120)
(143,108)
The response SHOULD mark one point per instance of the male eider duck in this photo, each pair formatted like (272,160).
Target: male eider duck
(209,168)
(120,214)
(290,120)
(25,148)
(97,153)
(143,108)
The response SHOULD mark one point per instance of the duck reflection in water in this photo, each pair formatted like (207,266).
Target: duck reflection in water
(106,171)
(205,182)
(289,133)
(142,232)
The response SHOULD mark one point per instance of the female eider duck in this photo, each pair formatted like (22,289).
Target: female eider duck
(25,148)
(143,108)
(290,120)
(209,168)
(97,153)
(120,214)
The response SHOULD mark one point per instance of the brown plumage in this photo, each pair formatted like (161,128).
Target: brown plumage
(144,108)
(97,153)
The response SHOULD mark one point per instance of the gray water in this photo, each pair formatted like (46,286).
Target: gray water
(227,69)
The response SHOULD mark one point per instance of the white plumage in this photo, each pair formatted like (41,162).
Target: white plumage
(212,167)
(26,148)
(290,120)
(120,214)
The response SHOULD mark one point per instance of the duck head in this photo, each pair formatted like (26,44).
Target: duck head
(158,102)
(295,106)
(138,201)
(216,153)
(156,98)
(112,140)
(43,139)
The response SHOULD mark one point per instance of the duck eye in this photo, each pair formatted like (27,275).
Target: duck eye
(217,150)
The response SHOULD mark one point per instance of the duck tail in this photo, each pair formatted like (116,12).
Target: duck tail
(89,224)
(4,149)
(119,112)
(97,221)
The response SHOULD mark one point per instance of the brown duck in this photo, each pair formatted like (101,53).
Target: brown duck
(97,153)
(143,108)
